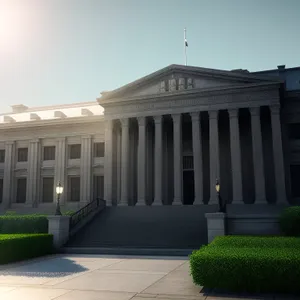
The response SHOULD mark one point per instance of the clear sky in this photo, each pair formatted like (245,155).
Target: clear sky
(64,51)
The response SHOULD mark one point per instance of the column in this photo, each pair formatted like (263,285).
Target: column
(60,167)
(236,163)
(197,156)
(258,161)
(33,173)
(125,162)
(158,160)
(214,158)
(278,155)
(108,162)
(141,198)
(177,141)
(8,173)
(86,169)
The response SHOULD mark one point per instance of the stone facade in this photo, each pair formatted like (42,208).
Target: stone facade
(167,136)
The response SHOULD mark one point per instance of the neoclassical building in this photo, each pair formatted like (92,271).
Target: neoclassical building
(163,139)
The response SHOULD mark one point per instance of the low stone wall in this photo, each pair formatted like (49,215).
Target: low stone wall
(252,224)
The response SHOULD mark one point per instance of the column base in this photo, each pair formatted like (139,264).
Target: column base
(261,201)
(157,203)
(122,204)
(212,201)
(140,203)
(177,202)
(237,202)
(198,201)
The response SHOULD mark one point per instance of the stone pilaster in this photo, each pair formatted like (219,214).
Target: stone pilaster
(278,155)
(142,169)
(125,163)
(60,168)
(197,156)
(86,169)
(108,162)
(258,161)
(10,152)
(33,177)
(158,161)
(236,163)
(177,139)
(214,157)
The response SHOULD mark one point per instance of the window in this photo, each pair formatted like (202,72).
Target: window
(1,190)
(48,189)
(2,156)
(295,180)
(98,187)
(49,153)
(99,149)
(74,189)
(75,151)
(22,154)
(21,190)
(294,131)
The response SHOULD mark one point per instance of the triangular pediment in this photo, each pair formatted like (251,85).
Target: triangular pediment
(178,79)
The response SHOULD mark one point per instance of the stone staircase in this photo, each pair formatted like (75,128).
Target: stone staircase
(140,230)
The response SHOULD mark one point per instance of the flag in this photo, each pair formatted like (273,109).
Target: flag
(186,43)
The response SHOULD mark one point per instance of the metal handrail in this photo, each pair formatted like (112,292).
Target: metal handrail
(85,211)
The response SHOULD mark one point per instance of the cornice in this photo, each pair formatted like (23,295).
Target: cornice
(200,92)
(52,122)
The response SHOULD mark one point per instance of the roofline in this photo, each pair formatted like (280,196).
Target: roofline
(52,107)
(50,122)
(229,74)
(277,70)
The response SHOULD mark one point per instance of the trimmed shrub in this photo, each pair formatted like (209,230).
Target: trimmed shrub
(247,269)
(10,224)
(16,247)
(256,242)
(290,221)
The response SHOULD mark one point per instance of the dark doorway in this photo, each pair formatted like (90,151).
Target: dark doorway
(188,187)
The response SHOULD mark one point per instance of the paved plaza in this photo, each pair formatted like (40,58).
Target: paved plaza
(94,277)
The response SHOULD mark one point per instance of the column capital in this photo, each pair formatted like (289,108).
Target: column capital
(213,114)
(61,139)
(86,137)
(158,119)
(233,113)
(108,123)
(195,116)
(254,111)
(34,141)
(124,122)
(275,109)
(141,121)
(176,118)
(9,143)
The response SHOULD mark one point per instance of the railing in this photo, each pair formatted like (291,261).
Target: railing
(85,211)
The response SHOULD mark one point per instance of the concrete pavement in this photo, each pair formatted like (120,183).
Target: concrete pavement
(94,277)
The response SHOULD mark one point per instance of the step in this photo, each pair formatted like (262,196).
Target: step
(127,251)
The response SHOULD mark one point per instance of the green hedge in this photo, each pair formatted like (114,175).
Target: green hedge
(10,224)
(16,247)
(257,265)
(256,242)
(290,221)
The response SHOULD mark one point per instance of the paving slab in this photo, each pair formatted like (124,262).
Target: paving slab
(92,295)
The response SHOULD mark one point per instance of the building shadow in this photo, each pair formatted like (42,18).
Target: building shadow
(56,267)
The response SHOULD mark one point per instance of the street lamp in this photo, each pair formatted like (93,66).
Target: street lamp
(221,206)
(59,190)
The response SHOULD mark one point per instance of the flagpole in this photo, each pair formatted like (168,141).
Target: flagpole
(185,57)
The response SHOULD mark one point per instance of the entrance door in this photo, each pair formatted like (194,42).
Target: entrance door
(188,187)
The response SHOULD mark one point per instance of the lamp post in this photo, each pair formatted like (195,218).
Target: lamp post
(222,207)
(59,190)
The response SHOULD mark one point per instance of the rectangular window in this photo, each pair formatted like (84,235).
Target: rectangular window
(98,187)
(21,190)
(99,149)
(48,189)
(22,154)
(49,153)
(74,151)
(1,190)
(294,131)
(74,189)
(2,156)
(295,180)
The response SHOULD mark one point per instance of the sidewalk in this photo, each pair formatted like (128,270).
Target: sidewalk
(94,277)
